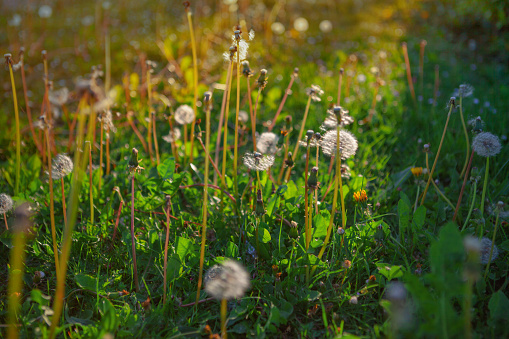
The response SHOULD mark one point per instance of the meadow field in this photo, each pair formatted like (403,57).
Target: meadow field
(254,169)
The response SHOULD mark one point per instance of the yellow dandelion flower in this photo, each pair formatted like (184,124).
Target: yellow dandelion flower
(360,196)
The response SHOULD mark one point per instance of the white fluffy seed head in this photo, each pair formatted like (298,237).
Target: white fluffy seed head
(227,281)
(267,143)
(184,115)
(465,90)
(486,144)
(243,47)
(331,121)
(258,162)
(59,97)
(5,203)
(315,92)
(61,167)
(348,144)
(173,136)
(486,249)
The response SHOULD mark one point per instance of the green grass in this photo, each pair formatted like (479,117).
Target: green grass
(384,239)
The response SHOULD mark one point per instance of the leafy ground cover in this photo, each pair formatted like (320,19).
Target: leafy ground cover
(398,262)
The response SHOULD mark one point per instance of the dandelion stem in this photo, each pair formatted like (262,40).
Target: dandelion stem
(27,106)
(205,202)
(408,71)
(72,213)
(492,244)
(5,219)
(335,198)
(436,187)
(438,154)
(101,155)
(287,146)
(225,127)
(221,117)
(485,185)
(254,115)
(301,132)
(107,151)
(195,78)
(63,200)
(154,133)
(474,190)
(136,131)
(118,219)
(18,137)
(135,268)
(340,82)
(91,184)
(15,284)
(168,206)
(224,304)
(251,113)
(463,186)
(466,137)
(52,203)
(236,142)
(280,108)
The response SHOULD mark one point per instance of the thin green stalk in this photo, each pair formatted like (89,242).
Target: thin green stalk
(417,197)
(52,203)
(225,128)
(438,154)
(442,195)
(133,242)
(301,133)
(168,206)
(195,78)
(72,212)
(466,137)
(18,137)
(15,284)
(334,199)
(90,185)
(485,185)
(492,244)
(306,211)
(224,304)
(205,202)
(471,205)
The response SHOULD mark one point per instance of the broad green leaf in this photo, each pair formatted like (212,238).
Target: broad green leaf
(404,215)
(86,282)
(166,168)
(184,245)
(419,217)
(499,306)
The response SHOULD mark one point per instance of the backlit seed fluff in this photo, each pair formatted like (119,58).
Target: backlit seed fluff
(258,162)
(184,115)
(267,143)
(243,117)
(465,90)
(331,121)
(314,92)
(173,136)
(486,249)
(227,281)
(5,203)
(486,144)
(61,167)
(348,144)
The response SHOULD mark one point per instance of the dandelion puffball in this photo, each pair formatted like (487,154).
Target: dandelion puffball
(486,144)
(258,162)
(227,281)
(184,115)
(267,143)
(5,203)
(61,167)
(348,144)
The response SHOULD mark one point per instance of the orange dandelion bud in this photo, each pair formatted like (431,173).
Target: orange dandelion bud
(207,329)
(416,171)
(346,264)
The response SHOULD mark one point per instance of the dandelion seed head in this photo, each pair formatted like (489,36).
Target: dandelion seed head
(173,135)
(107,120)
(301,24)
(61,167)
(59,97)
(256,161)
(465,90)
(243,117)
(45,11)
(227,281)
(486,249)
(331,121)
(243,47)
(477,124)
(314,92)
(486,144)
(267,143)
(348,144)
(184,115)
(6,203)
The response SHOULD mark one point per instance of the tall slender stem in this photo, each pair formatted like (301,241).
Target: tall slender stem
(117,221)
(251,113)
(18,137)
(408,71)
(15,284)
(101,155)
(438,154)
(474,190)
(5,219)
(63,201)
(485,185)
(91,185)
(225,127)
(52,203)
(135,268)
(224,304)
(168,205)
(108,151)
(27,106)
(205,203)
(436,187)
(463,186)
(301,132)
(280,108)
(154,134)
(466,136)
(221,116)
(340,82)
(236,142)
(195,78)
